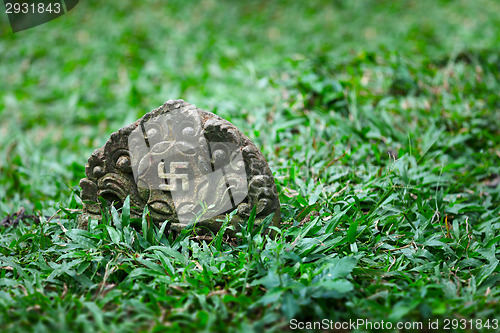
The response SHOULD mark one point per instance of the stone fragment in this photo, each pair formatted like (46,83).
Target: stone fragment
(185,164)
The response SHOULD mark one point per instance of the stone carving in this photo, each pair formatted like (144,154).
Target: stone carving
(185,164)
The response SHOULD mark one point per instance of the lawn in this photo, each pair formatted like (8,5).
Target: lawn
(379,119)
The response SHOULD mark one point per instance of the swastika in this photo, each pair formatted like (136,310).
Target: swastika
(171,177)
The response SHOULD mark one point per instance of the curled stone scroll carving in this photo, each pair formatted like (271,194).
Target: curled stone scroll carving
(184,164)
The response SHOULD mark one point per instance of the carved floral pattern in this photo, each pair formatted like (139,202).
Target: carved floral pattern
(109,170)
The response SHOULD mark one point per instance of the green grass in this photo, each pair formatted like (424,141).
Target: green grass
(378,119)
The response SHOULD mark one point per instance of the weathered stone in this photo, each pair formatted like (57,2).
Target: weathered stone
(185,164)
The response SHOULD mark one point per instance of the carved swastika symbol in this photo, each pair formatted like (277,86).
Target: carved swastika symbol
(185,165)
(172,176)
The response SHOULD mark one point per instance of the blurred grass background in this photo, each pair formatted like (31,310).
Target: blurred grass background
(379,120)
(68,84)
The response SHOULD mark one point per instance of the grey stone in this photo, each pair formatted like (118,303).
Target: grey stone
(186,165)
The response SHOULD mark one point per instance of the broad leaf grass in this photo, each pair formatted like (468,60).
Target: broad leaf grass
(379,121)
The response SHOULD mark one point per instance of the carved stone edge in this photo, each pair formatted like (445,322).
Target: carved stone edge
(204,227)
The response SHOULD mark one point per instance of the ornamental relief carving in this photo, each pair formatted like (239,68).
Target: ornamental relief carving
(184,164)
